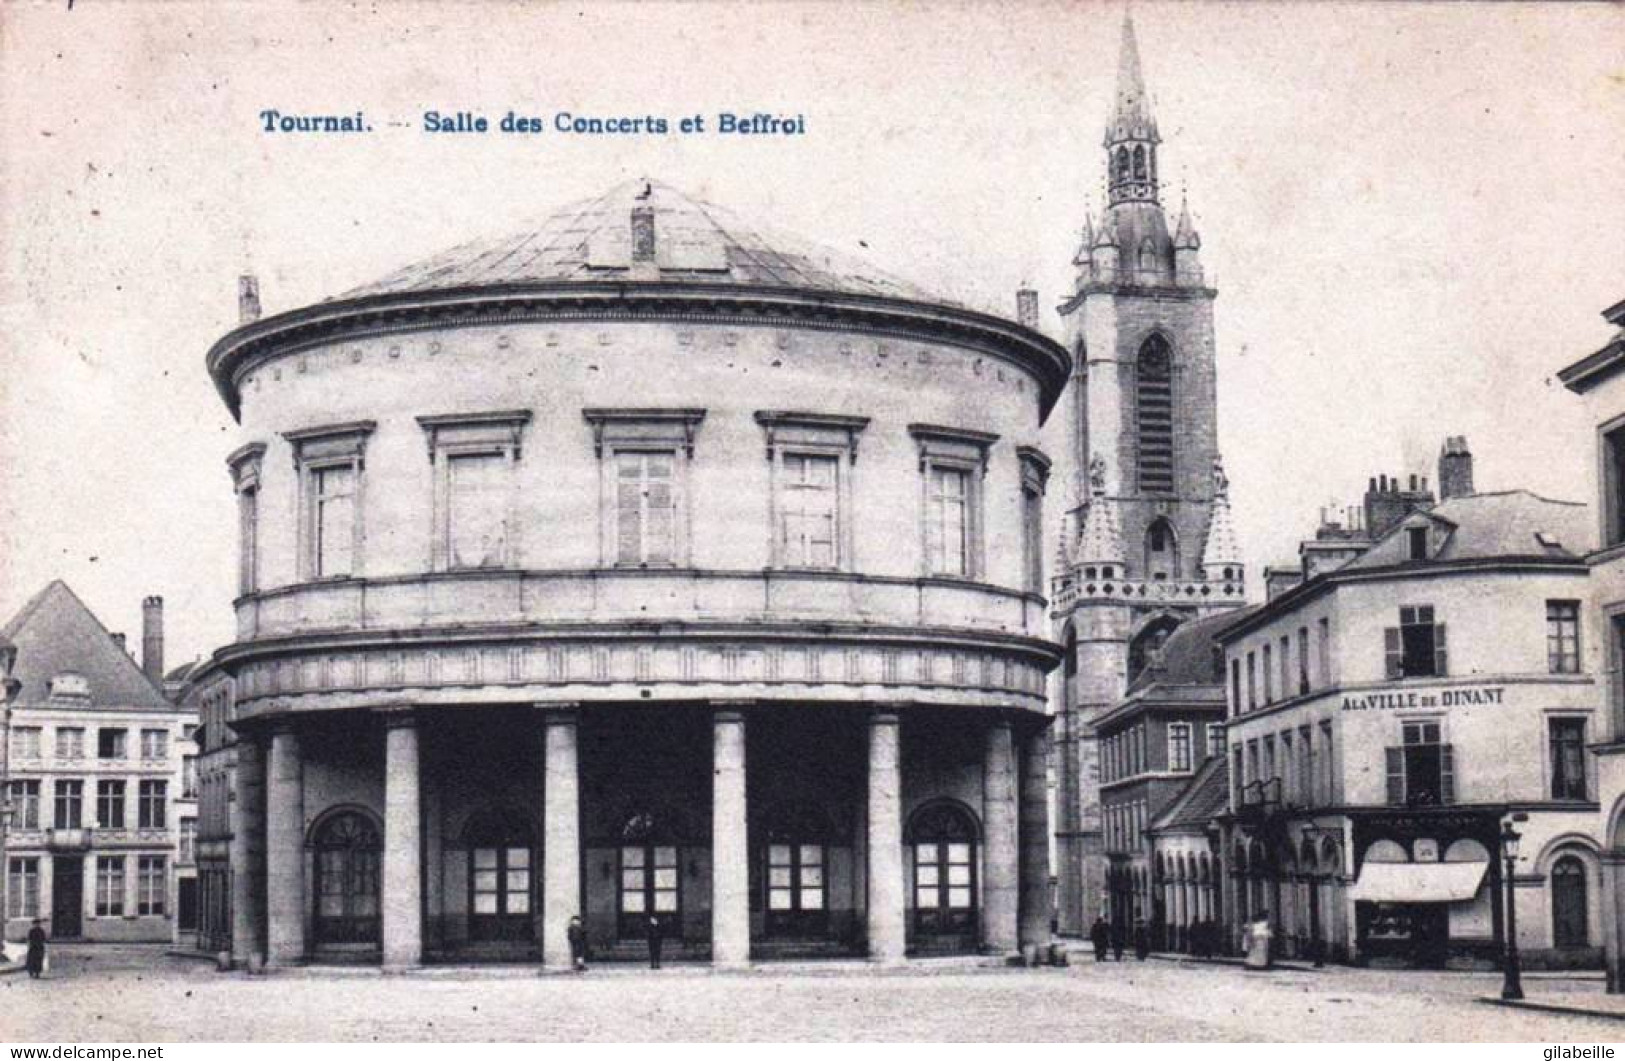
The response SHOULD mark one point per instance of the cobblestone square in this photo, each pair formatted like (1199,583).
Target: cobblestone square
(129,994)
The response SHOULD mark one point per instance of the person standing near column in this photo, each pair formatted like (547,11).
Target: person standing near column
(653,930)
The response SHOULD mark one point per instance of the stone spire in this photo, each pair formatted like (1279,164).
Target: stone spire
(1086,241)
(1221,552)
(1100,543)
(1185,237)
(1131,136)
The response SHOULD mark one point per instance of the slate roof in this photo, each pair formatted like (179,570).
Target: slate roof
(56,633)
(1205,795)
(1509,524)
(1188,654)
(695,241)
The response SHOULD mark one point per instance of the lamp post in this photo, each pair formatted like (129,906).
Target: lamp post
(1512,982)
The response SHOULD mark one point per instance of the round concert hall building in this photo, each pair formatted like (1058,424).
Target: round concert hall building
(646,568)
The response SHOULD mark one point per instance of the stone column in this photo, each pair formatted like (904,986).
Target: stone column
(402,905)
(887,936)
(285,850)
(561,845)
(730,851)
(1035,870)
(1001,853)
(247,855)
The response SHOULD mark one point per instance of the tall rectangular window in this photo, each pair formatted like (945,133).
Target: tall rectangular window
(109,885)
(1613,486)
(809,510)
(25,804)
(22,888)
(1215,739)
(330,461)
(1269,677)
(155,744)
(333,495)
(111,743)
(947,528)
(25,742)
(68,803)
(109,804)
(188,844)
(152,884)
(1303,660)
(1421,770)
(645,508)
(1252,682)
(477,491)
(1416,647)
(1324,636)
(1306,765)
(1179,746)
(70,743)
(1328,765)
(1035,468)
(1286,668)
(154,801)
(1563,636)
(188,776)
(1567,739)
(245,476)
(1235,686)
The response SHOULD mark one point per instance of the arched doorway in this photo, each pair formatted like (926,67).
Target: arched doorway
(650,877)
(797,860)
(943,840)
(1570,905)
(501,876)
(347,847)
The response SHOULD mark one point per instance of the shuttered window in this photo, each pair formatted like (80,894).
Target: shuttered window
(1154,415)
(645,507)
(1415,648)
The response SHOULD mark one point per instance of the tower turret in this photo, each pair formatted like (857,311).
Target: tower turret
(1131,136)
(1187,245)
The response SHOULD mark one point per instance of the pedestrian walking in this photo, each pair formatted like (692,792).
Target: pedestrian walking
(1142,940)
(36,950)
(653,929)
(577,935)
(1100,936)
(1117,941)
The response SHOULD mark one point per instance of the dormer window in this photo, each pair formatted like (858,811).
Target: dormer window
(69,686)
(1416,543)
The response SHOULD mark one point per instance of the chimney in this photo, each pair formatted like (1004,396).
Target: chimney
(118,639)
(1455,468)
(248,299)
(1027,308)
(152,639)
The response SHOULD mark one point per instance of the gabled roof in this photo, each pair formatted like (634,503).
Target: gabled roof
(1205,795)
(55,633)
(1187,657)
(1506,525)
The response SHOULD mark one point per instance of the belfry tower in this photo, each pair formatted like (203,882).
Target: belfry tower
(1148,541)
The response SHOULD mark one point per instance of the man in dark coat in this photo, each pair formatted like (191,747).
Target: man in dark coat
(1142,940)
(653,929)
(36,950)
(1100,936)
(1117,941)
(577,935)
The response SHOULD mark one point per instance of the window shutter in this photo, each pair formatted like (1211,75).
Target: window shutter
(1396,776)
(1393,653)
(628,525)
(1439,659)
(1447,774)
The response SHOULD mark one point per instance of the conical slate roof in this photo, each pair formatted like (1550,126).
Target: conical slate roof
(693,241)
(1222,547)
(1101,540)
(1131,115)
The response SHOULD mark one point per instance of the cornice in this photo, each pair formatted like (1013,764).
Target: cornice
(241,349)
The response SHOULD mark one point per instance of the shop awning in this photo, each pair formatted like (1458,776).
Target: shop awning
(1418,882)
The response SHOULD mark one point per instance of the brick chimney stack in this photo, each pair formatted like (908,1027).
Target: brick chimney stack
(1455,468)
(152,639)
(1027,308)
(248,299)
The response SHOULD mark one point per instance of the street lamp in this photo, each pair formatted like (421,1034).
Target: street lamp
(1512,983)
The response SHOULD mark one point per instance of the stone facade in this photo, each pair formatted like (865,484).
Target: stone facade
(678,577)
(1147,543)
(1598,378)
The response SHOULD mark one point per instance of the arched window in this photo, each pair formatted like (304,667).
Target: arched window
(347,852)
(1570,915)
(1139,163)
(1154,415)
(501,875)
(1148,255)
(650,881)
(1122,164)
(1161,551)
(943,840)
(799,837)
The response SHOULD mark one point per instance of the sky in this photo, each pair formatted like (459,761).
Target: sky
(1412,213)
